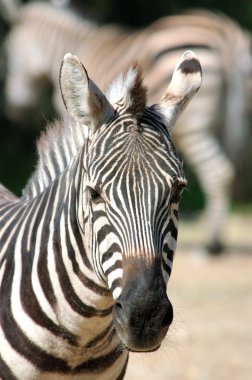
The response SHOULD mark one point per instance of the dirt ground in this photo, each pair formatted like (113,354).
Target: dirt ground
(211,337)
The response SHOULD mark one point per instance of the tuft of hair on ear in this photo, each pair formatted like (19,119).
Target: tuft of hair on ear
(137,92)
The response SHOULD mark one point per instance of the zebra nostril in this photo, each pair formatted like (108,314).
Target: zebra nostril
(118,305)
(168,317)
(120,314)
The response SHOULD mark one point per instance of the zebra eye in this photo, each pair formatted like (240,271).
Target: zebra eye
(180,188)
(177,191)
(93,193)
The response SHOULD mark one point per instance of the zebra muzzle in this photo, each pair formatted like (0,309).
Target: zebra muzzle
(142,313)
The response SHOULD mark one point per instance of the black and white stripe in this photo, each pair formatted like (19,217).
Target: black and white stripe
(86,252)
(45,34)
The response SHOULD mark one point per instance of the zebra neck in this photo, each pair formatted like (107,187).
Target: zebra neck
(76,287)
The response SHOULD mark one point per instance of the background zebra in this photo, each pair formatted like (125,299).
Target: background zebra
(44,34)
(86,253)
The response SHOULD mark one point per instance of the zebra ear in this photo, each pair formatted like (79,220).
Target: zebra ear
(82,98)
(186,81)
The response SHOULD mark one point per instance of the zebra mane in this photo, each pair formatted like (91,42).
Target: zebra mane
(128,91)
(63,139)
(56,147)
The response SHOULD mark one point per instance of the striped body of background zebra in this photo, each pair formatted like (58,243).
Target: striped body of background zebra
(42,35)
(86,252)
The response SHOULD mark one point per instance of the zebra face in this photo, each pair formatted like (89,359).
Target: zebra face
(134,180)
(134,198)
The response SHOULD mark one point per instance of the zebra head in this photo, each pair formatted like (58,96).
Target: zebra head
(132,186)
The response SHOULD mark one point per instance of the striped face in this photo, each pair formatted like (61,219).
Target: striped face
(133,181)
(136,179)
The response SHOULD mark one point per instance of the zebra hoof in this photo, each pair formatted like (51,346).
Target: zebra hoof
(215,248)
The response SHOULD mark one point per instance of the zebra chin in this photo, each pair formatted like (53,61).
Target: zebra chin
(132,346)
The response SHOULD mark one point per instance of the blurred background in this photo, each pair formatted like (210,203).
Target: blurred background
(19,142)
(212,295)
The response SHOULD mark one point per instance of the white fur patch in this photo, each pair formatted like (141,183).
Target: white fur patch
(120,88)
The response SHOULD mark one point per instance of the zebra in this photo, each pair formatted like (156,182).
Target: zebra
(222,47)
(87,251)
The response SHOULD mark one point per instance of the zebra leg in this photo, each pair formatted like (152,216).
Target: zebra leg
(215,174)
